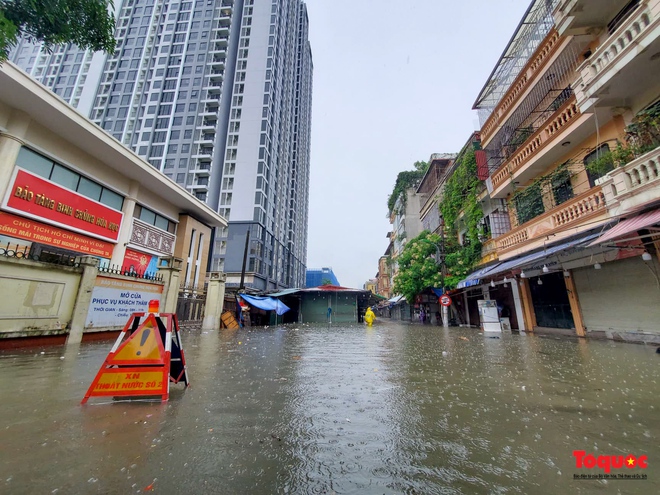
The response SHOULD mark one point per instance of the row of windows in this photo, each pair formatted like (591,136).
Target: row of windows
(46,168)
(153,218)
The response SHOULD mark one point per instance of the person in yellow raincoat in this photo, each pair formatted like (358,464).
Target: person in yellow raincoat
(369,317)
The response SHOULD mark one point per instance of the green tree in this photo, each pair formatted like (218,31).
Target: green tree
(460,199)
(326,281)
(421,166)
(90,24)
(417,267)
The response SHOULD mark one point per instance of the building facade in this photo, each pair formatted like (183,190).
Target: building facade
(216,94)
(568,130)
(87,228)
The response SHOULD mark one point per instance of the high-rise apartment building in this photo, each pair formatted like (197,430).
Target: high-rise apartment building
(217,95)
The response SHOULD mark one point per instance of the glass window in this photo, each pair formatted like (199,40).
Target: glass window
(90,189)
(64,177)
(111,199)
(161,222)
(35,163)
(147,216)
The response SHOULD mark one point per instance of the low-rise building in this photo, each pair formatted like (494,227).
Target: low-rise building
(71,191)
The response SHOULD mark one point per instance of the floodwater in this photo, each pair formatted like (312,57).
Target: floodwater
(405,409)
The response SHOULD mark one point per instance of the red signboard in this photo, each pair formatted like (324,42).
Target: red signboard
(445,300)
(24,228)
(138,261)
(40,199)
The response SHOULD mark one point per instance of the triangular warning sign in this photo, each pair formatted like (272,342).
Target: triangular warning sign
(144,346)
(145,363)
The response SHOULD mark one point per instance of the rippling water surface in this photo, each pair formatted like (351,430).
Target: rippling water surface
(317,409)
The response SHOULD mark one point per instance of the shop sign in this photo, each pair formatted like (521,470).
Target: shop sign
(40,199)
(29,230)
(114,300)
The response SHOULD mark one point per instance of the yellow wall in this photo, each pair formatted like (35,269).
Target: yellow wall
(42,297)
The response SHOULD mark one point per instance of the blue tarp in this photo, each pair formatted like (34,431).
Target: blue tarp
(266,303)
(438,292)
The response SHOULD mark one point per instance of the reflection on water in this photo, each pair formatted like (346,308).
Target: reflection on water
(318,409)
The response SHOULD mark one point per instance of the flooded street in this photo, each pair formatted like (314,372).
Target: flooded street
(317,409)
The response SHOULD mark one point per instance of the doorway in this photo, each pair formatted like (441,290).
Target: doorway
(550,301)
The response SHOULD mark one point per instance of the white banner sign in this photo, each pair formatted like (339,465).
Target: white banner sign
(114,300)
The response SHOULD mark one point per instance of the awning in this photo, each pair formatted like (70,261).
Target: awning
(285,292)
(628,226)
(474,278)
(266,303)
(544,253)
(395,299)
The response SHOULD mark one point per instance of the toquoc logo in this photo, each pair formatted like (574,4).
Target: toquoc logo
(608,462)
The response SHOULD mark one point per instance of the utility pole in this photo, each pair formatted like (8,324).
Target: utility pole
(245,253)
(443,270)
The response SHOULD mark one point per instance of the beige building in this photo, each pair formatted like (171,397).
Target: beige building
(68,191)
(569,130)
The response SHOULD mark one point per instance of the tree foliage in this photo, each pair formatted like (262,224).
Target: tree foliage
(90,24)
(460,196)
(417,267)
(404,181)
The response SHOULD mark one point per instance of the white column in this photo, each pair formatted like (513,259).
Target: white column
(128,209)
(10,144)
(518,304)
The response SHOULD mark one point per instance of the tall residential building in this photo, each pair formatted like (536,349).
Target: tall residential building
(217,95)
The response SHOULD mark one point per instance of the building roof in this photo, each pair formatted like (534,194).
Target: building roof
(19,91)
(535,24)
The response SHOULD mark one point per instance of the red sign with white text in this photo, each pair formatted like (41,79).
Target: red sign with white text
(24,228)
(40,199)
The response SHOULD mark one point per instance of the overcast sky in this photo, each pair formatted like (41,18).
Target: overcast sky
(394,82)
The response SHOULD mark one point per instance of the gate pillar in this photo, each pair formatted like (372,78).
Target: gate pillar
(215,296)
(170,269)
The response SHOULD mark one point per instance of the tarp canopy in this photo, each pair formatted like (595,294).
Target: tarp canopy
(285,292)
(625,227)
(475,277)
(266,303)
(530,258)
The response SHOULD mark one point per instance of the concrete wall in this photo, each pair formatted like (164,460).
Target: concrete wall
(621,300)
(187,247)
(38,298)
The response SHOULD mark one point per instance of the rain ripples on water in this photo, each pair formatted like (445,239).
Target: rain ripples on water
(337,409)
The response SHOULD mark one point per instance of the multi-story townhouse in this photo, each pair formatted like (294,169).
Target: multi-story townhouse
(554,115)
(405,222)
(384,285)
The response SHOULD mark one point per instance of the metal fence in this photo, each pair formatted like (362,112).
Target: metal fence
(27,253)
(190,304)
(119,270)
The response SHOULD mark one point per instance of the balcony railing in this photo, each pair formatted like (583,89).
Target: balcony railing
(633,178)
(563,117)
(570,213)
(623,41)
(534,65)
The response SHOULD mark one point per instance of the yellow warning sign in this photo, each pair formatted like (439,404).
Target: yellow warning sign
(144,363)
(130,380)
(143,346)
